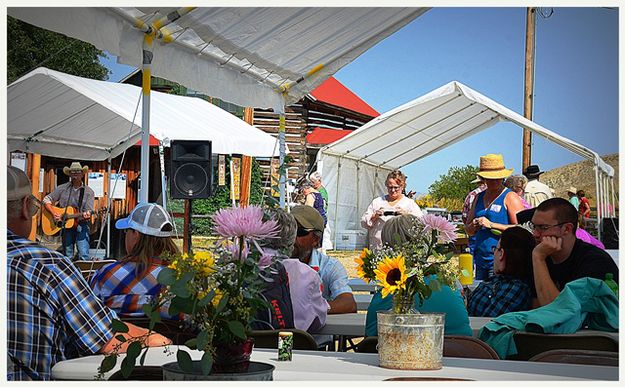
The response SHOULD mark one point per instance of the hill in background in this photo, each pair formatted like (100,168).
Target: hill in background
(580,175)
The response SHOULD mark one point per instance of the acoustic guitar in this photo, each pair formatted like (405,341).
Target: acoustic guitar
(69,219)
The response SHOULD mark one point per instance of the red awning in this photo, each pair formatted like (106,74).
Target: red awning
(335,93)
(323,136)
(153,141)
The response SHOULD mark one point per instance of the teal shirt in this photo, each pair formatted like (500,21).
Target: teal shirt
(443,301)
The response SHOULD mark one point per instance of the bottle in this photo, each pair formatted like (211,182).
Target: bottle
(609,280)
(465,261)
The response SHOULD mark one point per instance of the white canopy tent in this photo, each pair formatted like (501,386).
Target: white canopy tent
(355,167)
(259,57)
(61,115)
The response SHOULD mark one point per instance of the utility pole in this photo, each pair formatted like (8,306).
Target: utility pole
(530,39)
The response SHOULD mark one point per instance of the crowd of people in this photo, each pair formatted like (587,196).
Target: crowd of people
(526,245)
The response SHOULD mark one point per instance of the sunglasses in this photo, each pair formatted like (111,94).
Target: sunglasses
(303,231)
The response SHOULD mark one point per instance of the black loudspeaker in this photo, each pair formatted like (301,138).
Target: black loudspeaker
(609,233)
(190,176)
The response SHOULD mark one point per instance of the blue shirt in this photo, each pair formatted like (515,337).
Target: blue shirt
(442,301)
(498,295)
(52,314)
(333,275)
(484,239)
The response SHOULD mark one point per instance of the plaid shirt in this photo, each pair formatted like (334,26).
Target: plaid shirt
(498,295)
(52,314)
(118,285)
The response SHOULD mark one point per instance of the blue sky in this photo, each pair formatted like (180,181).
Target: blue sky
(576,79)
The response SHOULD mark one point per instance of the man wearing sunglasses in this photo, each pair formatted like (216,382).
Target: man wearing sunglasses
(333,275)
(559,256)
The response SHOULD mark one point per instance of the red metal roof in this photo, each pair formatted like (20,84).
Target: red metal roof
(323,136)
(153,141)
(335,93)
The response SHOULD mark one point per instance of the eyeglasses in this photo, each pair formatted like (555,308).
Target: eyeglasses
(392,187)
(301,232)
(495,248)
(543,227)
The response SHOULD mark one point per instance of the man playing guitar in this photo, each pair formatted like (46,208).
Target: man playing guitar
(74,194)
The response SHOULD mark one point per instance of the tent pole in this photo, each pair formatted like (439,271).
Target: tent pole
(597,189)
(336,202)
(108,212)
(146,70)
(161,157)
(282,140)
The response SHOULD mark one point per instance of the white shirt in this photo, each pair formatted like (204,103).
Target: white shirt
(375,227)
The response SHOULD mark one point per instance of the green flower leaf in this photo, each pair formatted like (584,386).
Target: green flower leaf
(108,363)
(206,363)
(181,304)
(207,299)
(191,343)
(435,285)
(119,326)
(237,329)
(184,361)
(133,351)
(222,303)
(179,288)
(202,339)
(121,338)
(128,364)
(166,276)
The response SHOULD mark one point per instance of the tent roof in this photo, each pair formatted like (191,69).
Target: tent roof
(61,115)
(241,55)
(435,121)
(335,93)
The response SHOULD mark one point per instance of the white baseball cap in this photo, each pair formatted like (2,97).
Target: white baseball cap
(149,219)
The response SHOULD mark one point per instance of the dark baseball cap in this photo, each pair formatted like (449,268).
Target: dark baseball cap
(308,218)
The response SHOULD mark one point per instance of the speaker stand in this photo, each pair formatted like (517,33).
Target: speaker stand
(188,213)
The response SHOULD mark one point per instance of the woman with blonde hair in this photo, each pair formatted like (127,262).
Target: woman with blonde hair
(386,206)
(126,286)
(517,184)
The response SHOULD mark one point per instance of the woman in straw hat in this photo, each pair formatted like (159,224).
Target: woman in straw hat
(493,211)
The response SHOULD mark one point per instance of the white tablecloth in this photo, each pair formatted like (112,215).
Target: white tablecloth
(316,366)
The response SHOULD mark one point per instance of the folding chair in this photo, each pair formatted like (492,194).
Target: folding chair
(578,356)
(531,344)
(467,347)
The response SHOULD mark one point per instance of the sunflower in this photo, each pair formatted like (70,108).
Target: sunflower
(361,264)
(391,274)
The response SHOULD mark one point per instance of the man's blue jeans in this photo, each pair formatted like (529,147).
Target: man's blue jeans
(80,236)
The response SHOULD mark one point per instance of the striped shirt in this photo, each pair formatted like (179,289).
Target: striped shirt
(118,285)
(52,314)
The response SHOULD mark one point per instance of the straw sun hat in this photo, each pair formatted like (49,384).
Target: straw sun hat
(75,166)
(492,167)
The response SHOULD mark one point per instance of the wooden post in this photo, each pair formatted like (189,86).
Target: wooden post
(529,84)
(246,181)
(35,165)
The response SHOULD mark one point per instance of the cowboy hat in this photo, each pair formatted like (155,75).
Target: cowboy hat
(492,167)
(572,190)
(532,171)
(75,166)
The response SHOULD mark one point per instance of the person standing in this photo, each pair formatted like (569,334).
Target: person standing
(466,208)
(535,191)
(314,199)
(583,208)
(573,199)
(52,314)
(493,211)
(75,194)
(386,206)
(315,181)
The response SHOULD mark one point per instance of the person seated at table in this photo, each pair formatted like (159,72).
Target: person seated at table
(333,275)
(52,314)
(126,286)
(559,256)
(396,231)
(309,307)
(508,290)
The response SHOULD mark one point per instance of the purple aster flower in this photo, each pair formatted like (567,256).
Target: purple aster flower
(265,260)
(446,230)
(246,222)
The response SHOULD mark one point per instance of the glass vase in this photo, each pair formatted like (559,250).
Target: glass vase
(411,341)
(403,303)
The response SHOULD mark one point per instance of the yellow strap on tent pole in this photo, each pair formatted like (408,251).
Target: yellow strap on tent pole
(285,88)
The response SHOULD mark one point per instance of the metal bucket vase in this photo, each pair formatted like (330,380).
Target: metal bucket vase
(256,371)
(411,341)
